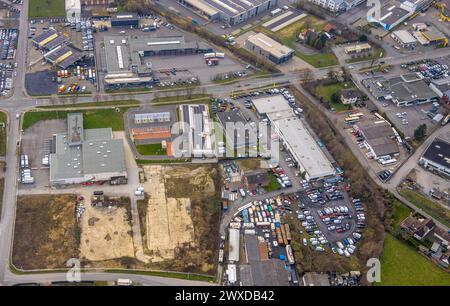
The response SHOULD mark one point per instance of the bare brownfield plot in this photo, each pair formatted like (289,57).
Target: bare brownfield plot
(180,217)
(46,233)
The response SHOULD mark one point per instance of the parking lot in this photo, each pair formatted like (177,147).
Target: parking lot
(36,143)
(8,45)
(410,118)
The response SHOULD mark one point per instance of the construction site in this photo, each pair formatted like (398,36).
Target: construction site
(180,217)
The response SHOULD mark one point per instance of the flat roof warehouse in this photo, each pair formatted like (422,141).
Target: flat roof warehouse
(266,43)
(124,53)
(296,137)
(85,155)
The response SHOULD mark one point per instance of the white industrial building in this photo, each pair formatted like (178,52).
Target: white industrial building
(310,158)
(73,10)
(198,127)
(233,245)
(231,12)
(404,38)
(337,6)
(437,157)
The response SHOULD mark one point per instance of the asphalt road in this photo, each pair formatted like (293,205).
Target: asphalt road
(19,102)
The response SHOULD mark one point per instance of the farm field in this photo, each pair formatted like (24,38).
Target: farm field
(401,265)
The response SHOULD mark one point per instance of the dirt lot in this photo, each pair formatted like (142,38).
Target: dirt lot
(428,180)
(180,215)
(106,232)
(46,233)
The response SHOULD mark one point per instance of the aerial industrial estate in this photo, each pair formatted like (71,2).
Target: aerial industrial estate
(224,142)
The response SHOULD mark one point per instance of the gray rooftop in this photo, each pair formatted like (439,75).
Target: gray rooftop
(304,147)
(85,152)
(271,104)
(391,14)
(412,91)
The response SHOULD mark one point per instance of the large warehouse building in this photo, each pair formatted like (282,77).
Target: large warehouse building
(229,11)
(198,129)
(125,56)
(265,46)
(295,137)
(86,155)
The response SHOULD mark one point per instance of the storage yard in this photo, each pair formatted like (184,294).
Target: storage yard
(331,221)
(63,54)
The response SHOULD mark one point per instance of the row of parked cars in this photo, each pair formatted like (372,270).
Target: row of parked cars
(282,177)
(334,218)
(317,239)
(8,43)
(6,78)
(347,246)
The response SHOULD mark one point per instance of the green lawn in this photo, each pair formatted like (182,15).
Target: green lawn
(289,35)
(151,149)
(401,265)
(96,118)
(46,8)
(318,60)
(3,133)
(401,212)
(378,53)
(432,208)
(273,183)
(327,91)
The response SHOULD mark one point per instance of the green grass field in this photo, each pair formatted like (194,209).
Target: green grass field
(151,149)
(401,212)
(46,8)
(378,53)
(289,35)
(96,118)
(401,265)
(327,91)
(432,208)
(3,133)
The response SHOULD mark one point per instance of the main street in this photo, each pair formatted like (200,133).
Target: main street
(19,102)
